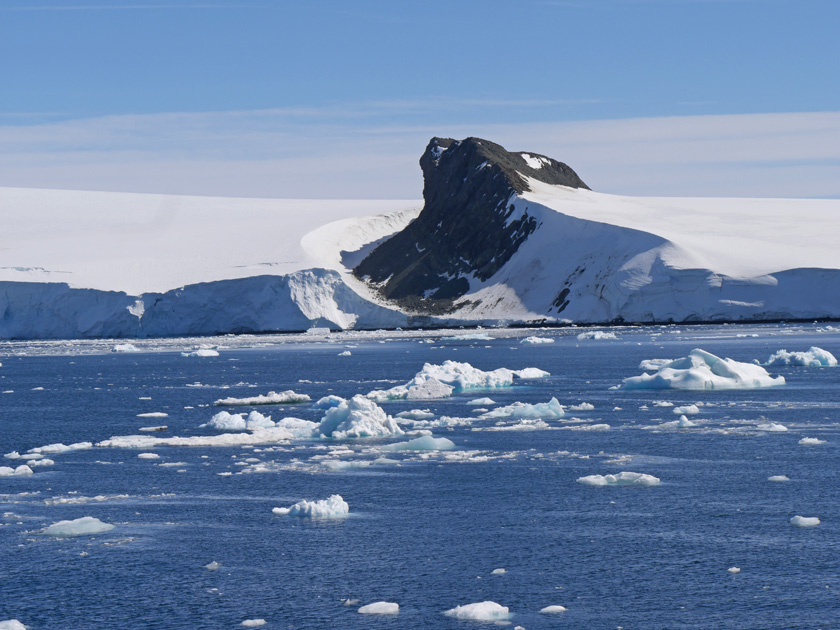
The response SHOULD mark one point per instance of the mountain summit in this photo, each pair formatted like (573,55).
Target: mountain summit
(469,226)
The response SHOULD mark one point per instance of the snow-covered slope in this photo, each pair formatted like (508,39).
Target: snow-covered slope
(503,238)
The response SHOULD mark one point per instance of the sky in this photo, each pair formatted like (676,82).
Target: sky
(337,99)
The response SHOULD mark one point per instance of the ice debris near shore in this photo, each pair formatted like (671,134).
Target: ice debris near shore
(596,334)
(356,418)
(550,409)
(537,340)
(334,507)
(287,397)
(703,370)
(440,381)
(480,611)
(85,526)
(124,347)
(805,521)
(813,357)
(621,479)
(201,352)
(380,608)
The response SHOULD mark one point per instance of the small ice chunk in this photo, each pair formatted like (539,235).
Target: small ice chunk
(529,373)
(380,608)
(621,479)
(813,357)
(703,370)
(346,353)
(201,352)
(161,427)
(85,526)
(287,397)
(124,347)
(550,409)
(334,507)
(356,418)
(809,441)
(40,462)
(772,427)
(225,421)
(537,340)
(553,609)
(651,365)
(482,401)
(584,406)
(469,337)
(778,478)
(498,572)
(213,566)
(686,410)
(148,455)
(253,623)
(21,471)
(480,611)
(734,570)
(328,402)
(596,334)
(425,443)
(805,521)
(153,414)
(416,414)
(662,403)
(12,624)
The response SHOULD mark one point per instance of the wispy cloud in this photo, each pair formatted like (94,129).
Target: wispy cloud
(323,152)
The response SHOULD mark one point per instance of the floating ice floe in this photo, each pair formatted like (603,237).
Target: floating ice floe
(416,414)
(550,409)
(328,402)
(346,353)
(334,507)
(356,418)
(287,397)
(553,609)
(272,435)
(153,414)
(380,608)
(809,441)
(584,406)
(813,357)
(161,427)
(253,623)
(124,347)
(498,572)
(148,456)
(778,478)
(20,471)
(85,526)
(805,521)
(596,334)
(201,352)
(212,566)
(469,337)
(58,448)
(734,570)
(439,381)
(772,427)
(703,370)
(682,423)
(537,340)
(587,427)
(481,611)
(425,443)
(522,425)
(482,401)
(686,410)
(11,624)
(40,462)
(621,479)
(225,421)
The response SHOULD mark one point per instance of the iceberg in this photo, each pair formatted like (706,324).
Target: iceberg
(813,357)
(356,418)
(550,409)
(287,397)
(703,370)
(537,340)
(805,521)
(380,608)
(85,526)
(334,507)
(425,443)
(528,373)
(686,410)
(201,352)
(621,479)
(809,441)
(480,611)
(21,471)
(553,609)
(482,402)
(225,421)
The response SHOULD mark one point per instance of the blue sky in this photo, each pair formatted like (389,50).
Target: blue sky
(338,99)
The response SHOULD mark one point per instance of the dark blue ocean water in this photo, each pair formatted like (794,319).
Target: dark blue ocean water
(426,534)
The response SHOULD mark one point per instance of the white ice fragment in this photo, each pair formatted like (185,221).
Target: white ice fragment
(328,402)
(481,611)
(40,462)
(482,401)
(287,397)
(703,370)
(772,427)
(161,427)
(662,403)
(596,334)
(12,624)
(334,507)
(124,347)
(808,441)
(425,443)
(498,572)
(469,337)
(21,471)
(416,414)
(778,478)
(253,623)
(201,352)
(651,365)
(550,409)
(213,566)
(55,449)
(553,609)
(153,414)
(734,570)
(813,357)
(148,455)
(686,410)
(346,353)
(584,406)
(85,526)
(380,608)
(805,521)
(621,479)
(358,417)
(537,340)
(529,373)
(225,421)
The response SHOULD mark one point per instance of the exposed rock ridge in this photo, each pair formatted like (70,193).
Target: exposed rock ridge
(469,226)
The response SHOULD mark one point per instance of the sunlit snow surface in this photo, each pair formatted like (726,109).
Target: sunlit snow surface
(422,508)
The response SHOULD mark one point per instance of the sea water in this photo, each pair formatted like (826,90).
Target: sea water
(426,530)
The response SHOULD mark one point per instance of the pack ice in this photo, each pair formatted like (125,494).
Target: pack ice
(703,370)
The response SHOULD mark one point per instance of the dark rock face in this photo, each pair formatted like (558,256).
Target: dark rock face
(465,227)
